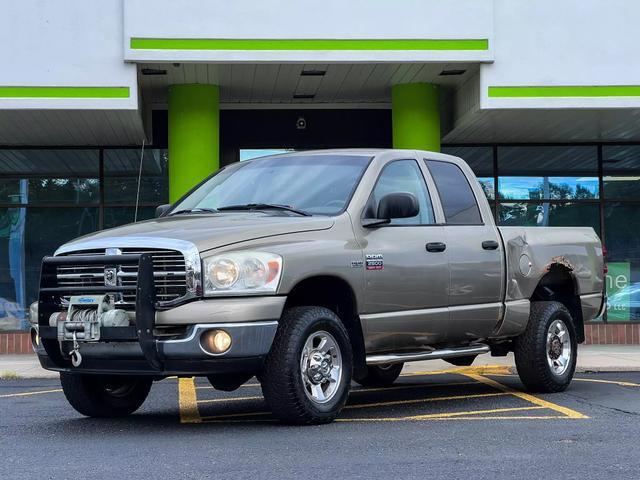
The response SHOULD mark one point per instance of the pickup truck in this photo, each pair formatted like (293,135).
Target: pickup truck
(309,270)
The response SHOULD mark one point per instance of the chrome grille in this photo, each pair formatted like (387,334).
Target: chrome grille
(169,271)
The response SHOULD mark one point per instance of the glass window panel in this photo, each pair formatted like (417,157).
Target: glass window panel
(121,169)
(621,171)
(554,161)
(27,235)
(547,188)
(545,214)
(49,176)
(622,224)
(457,198)
(61,163)
(488,186)
(403,176)
(480,159)
(116,216)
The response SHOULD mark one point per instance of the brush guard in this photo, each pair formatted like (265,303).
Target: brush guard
(49,302)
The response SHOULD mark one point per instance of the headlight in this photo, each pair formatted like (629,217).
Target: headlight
(238,273)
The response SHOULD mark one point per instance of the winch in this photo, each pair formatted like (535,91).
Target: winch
(83,319)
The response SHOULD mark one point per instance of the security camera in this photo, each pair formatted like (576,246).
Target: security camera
(301,123)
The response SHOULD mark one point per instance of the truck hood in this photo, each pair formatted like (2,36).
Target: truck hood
(204,231)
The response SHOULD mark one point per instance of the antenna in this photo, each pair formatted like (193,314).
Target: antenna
(135,215)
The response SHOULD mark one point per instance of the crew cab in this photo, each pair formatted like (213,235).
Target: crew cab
(309,270)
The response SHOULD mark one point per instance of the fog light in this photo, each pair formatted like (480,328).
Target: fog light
(215,341)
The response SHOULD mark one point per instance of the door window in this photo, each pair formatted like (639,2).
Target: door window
(402,176)
(457,198)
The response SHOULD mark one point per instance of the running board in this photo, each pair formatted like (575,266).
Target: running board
(432,355)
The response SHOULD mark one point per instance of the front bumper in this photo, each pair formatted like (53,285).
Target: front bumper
(120,353)
(138,350)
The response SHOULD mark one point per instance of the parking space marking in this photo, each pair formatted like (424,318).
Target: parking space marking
(592,380)
(526,396)
(25,394)
(476,376)
(424,400)
(188,401)
(434,416)
(232,399)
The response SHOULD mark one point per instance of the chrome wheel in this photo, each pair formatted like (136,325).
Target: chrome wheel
(558,347)
(321,367)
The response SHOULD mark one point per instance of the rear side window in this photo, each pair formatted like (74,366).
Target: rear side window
(458,201)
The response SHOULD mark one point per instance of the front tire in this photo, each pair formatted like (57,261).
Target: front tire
(103,395)
(307,372)
(547,351)
(381,375)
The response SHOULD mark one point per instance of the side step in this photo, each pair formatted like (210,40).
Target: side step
(386,358)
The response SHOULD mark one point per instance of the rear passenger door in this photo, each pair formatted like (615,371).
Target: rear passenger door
(475,254)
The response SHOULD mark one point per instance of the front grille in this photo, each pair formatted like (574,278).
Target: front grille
(169,273)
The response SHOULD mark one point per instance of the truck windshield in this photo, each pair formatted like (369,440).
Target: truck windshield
(313,184)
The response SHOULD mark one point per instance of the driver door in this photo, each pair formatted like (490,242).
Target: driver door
(406,271)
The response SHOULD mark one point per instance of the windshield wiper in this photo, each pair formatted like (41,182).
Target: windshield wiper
(194,210)
(264,206)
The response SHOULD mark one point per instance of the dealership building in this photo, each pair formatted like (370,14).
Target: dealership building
(110,108)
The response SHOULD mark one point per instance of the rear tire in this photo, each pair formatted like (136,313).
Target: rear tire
(547,351)
(307,372)
(103,395)
(381,375)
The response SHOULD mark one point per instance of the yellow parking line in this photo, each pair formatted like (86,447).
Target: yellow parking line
(529,398)
(612,382)
(188,401)
(377,404)
(432,416)
(25,394)
(232,399)
(593,380)
(423,400)
(413,385)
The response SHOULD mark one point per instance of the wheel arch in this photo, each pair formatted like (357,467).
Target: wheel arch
(559,284)
(337,295)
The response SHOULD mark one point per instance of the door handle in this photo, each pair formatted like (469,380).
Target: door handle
(490,245)
(436,247)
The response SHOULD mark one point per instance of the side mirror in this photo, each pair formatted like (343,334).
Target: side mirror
(162,209)
(398,205)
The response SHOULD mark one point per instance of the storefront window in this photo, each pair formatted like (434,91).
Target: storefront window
(621,171)
(121,171)
(546,214)
(26,235)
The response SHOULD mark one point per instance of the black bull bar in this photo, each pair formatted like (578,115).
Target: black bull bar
(49,301)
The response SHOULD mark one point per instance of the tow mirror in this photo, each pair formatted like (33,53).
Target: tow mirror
(398,205)
(162,209)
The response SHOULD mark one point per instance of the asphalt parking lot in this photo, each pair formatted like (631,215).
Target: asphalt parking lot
(475,423)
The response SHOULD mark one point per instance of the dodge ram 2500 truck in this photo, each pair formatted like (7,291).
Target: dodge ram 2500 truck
(309,270)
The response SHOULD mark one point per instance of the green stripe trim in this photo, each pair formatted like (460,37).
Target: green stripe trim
(64,92)
(566,91)
(305,44)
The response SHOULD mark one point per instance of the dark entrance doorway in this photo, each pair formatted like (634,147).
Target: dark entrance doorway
(292,129)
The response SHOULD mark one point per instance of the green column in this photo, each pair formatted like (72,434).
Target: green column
(194,136)
(415,116)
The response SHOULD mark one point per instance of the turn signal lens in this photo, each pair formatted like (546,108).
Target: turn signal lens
(215,341)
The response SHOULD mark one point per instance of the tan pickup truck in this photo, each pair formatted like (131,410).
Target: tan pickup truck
(310,270)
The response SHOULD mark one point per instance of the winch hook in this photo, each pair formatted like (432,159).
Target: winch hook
(76,357)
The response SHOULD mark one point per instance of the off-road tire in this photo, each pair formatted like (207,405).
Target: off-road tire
(281,379)
(530,349)
(380,375)
(96,395)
